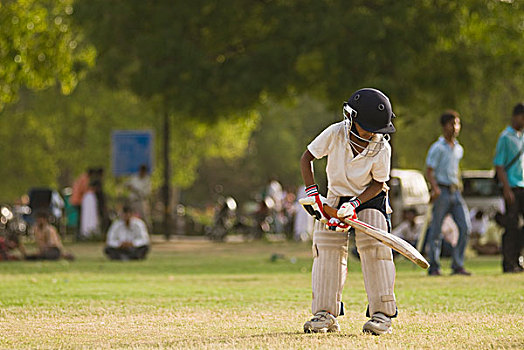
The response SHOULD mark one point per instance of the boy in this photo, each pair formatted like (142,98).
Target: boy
(358,167)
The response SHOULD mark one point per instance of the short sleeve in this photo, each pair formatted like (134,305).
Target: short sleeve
(112,236)
(141,237)
(500,152)
(381,167)
(433,158)
(321,145)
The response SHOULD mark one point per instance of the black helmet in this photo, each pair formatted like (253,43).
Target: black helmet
(373,111)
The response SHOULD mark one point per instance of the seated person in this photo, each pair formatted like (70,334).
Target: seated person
(479,224)
(127,238)
(47,240)
(8,244)
(409,229)
(450,233)
(487,241)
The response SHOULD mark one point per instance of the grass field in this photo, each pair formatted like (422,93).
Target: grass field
(197,294)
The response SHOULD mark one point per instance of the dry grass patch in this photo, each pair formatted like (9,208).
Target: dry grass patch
(199,295)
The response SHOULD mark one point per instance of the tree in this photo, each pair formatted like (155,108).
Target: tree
(39,47)
(275,147)
(51,138)
(203,60)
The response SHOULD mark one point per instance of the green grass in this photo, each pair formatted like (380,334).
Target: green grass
(192,294)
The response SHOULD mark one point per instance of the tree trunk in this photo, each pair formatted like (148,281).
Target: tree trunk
(167,176)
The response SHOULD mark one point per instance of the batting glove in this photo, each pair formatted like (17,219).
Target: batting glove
(335,224)
(314,204)
(348,209)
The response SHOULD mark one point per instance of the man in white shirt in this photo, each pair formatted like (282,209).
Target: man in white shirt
(127,238)
(139,186)
(409,229)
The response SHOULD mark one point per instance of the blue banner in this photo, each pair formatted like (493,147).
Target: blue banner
(130,149)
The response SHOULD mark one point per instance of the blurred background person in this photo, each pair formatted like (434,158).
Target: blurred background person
(139,186)
(101,202)
(479,223)
(303,222)
(409,229)
(127,238)
(485,233)
(510,172)
(275,194)
(442,169)
(8,244)
(90,217)
(80,188)
(47,240)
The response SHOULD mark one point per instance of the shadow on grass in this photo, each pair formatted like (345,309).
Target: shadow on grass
(297,334)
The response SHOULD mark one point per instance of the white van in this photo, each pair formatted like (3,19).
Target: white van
(481,192)
(408,189)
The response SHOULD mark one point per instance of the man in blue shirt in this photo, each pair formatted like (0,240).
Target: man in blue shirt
(442,164)
(510,172)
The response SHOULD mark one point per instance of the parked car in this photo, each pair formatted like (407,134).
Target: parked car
(408,189)
(481,192)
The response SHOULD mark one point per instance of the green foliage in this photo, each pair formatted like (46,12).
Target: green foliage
(51,138)
(39,47)
(212,67)
(208,60)
(274,151)
(194,141)
(24,150)
(57,137)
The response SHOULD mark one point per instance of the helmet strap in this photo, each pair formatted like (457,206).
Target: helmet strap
(354,129)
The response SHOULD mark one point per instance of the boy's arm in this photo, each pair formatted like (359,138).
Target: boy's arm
(371,191)
(348,209)
(306,168)
(315,209)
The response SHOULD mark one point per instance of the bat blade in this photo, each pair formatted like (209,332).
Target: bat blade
(387,238)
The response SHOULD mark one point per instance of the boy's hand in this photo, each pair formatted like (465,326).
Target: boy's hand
(334,224)
(348,209)
(314,204)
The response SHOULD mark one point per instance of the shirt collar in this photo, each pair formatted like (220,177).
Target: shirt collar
(443,140)
(512,131)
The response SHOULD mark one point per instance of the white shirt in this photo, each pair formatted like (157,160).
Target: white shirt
(405,231)
(89,220)
(140,187)
(274,190)
(136,233)
(349,175)
(57,204)
(478,226)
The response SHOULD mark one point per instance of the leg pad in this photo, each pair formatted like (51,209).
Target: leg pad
(329,271)
(377,266)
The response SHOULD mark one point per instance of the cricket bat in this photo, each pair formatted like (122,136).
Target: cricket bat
(386,238)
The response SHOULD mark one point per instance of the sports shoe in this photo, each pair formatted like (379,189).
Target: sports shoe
(378,325)
(322,322)
(461,271)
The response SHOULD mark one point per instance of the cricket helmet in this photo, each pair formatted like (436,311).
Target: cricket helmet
(371,109)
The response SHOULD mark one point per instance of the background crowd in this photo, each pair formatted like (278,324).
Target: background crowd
(443,229)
